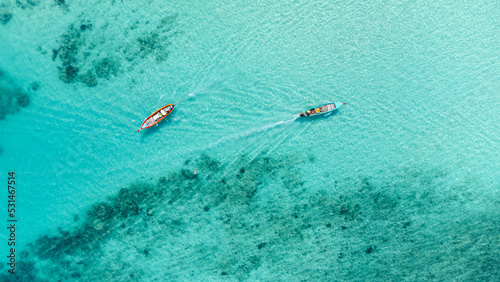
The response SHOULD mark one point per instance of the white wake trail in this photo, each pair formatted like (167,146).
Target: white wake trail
(248,133)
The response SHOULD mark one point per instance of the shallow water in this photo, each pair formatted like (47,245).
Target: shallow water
(401,183)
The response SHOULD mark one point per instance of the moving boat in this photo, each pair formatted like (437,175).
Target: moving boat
(157,116)
(322,109)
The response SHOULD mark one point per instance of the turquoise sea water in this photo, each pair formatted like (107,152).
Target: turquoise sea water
(400,184)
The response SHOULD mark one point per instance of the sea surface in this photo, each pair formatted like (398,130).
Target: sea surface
(401,183)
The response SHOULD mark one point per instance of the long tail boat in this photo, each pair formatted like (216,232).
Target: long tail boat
(322,109)
(157,116)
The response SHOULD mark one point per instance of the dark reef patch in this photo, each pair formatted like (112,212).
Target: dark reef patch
(259,219)
(27,3)
(205,162)
(5,12)
(12,97)
(129,199)
(5,17)
(370,250)
(54,54)
(68,73)
(88,78)
(88,55)
(106,68)
(25,271)
(188,174)
(71,42)
(152,44)
(84,27)
(23,100)
(35,86)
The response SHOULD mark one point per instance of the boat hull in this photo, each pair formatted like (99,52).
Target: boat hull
(322,109)
(157,116)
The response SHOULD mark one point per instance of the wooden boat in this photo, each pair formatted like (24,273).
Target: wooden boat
(322,109)
(157,116)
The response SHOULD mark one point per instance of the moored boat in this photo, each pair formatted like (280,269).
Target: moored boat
(157,116)
(322,109)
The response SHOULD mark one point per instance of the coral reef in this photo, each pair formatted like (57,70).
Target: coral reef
(106,68)
(253,219)
(88,78)
(68,73)
(35,86)
(5,17)
(23,100)
(23,4)
(152,44)
(5,13)
(12,97)
(82,48)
